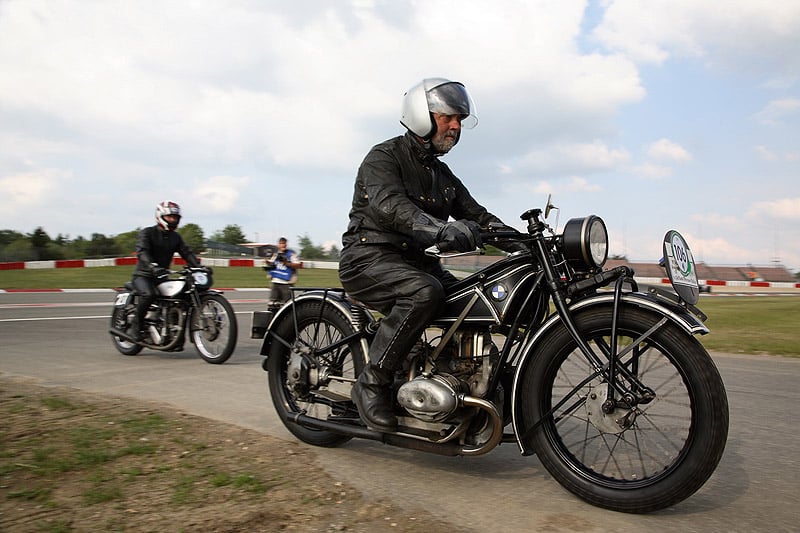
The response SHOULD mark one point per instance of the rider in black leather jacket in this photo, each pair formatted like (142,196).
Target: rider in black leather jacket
(404,196)
(155,247)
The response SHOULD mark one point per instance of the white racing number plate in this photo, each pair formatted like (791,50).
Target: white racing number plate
(122,299)
(680,267)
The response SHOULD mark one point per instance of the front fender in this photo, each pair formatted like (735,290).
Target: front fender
(334,298)
(671,311)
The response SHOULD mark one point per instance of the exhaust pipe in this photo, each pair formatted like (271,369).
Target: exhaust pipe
(448,449)
(122,335)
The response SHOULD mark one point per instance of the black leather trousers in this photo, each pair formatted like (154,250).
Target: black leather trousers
(146,290)
(409,293)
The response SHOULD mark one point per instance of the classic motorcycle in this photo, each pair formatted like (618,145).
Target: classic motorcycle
(184,303)
(605,381)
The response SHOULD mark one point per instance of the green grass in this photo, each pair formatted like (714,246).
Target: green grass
(752,324)
(738,324)
(104,454)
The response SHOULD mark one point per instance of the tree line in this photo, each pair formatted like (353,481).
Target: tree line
(39,246)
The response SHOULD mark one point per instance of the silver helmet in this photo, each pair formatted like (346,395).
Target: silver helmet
(436,95)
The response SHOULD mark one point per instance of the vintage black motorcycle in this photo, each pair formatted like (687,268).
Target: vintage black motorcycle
(604,381)
(185,303)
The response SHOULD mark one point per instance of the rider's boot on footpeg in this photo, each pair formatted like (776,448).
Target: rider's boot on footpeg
(372,394)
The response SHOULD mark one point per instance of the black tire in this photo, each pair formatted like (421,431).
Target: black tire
(216,339)
(120,321)
(315,330)
(673,443)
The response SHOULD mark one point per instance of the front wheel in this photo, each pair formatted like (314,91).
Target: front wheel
(632,457)
(121,319)
(216,337)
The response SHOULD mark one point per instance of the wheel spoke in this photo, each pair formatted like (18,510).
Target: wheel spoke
(597,441)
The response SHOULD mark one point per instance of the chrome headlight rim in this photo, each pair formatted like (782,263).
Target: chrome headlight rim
(586,242)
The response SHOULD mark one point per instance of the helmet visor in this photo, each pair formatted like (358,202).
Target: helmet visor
(452,99)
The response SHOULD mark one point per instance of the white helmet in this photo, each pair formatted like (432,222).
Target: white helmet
(436,95)
(168,208)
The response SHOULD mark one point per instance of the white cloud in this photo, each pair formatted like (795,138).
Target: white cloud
(574,184)
(741,34)
(20,193)
(218,194)
(716,220)
(783,209)
(236,80)
(719,251)
(765,153)
(777,110)
(651,171)
(572,158)
(666,149)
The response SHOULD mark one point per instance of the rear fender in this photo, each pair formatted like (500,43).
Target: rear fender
(335,298)
(672,312)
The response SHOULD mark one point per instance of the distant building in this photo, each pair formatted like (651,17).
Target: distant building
(775,273)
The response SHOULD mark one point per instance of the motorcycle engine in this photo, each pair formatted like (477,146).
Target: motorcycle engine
(432,398)
(462,367)
(164,322)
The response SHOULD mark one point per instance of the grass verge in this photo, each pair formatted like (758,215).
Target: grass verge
(73,461)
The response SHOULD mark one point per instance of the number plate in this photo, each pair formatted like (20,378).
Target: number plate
(680,267)
(122,299)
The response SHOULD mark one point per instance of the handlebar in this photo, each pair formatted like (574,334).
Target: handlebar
(490,237)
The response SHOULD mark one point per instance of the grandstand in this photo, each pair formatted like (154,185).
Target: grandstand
(746,273)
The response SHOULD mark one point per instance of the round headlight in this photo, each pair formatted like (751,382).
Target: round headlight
(586,242)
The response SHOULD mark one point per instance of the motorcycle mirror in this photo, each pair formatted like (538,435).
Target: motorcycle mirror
(548,206)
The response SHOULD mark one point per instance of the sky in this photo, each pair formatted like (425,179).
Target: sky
(657,115)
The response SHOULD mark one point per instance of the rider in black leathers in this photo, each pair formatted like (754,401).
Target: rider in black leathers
(155,247)
(404,196)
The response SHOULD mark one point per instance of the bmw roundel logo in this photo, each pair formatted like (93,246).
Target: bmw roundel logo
(499,292)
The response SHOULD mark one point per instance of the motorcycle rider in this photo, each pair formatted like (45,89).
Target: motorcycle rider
(403,200)
(155,247)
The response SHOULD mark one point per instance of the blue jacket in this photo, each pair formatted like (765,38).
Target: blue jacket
(281,272)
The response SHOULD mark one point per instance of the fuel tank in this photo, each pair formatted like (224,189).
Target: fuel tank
(171,288)
(496,293)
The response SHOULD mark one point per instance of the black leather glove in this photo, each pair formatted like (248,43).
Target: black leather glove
(459,236)
(160,273)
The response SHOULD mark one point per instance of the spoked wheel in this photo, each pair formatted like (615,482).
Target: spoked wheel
(216,339)
(299,386)
(120,320)
(630,457)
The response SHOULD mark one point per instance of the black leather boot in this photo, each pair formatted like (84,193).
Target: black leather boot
(134,331)
(372,394)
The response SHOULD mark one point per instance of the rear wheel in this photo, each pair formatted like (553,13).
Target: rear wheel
(121,319)
(216,338)
(637,457)
(296,387)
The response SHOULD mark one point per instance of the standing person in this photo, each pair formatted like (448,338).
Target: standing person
(404,199)
(282,268)
(155,247)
